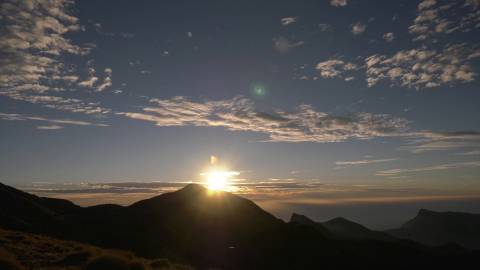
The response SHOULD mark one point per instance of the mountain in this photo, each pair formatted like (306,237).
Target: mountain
(440,228)
(24,211)
(342,228)
(305,221)
(209,229)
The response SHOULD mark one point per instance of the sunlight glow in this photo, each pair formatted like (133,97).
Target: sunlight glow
(219,180)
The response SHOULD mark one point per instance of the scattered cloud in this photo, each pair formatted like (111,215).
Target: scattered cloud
(283,45)
(288,20)
(33,40)
(126,35)
(54,123)
(49,127)
(470,153)
(107,81)
(358,28)
(62,104)
(442,141)
(338,3)
(423,68)
(240,114)
(100,30)
(388,37)
(364,161)
(336,68)
(304,124)
(442,167)
(442,17)
(91,80)
(33,46)
(324,27)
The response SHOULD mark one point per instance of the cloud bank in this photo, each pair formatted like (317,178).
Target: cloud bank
(305,124)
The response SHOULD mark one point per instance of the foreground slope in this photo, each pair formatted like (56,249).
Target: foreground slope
(19,250)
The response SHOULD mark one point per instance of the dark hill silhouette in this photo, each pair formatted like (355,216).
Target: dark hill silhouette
(347,229)
(440,228)
(27,212)
(303,220)
(342,228)
(210,229)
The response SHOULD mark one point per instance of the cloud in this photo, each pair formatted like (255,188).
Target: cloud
(434,18)
(470,153)
(442,141)
(388,37)
(55,123)
(423,68)
(433,64)
(426,4)
(364,161)
(107,81)
(324,27)
(90,82)
(336,68)
(34,45)
(61,103)
(442,167)
(33,40)
(50,127)
(305,124)
(100,30)
(358,28)
(288,20)
(283,45)
(338,3)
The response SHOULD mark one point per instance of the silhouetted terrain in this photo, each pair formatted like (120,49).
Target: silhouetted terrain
(440,228)
(342,228)
(219,229)
(19,250)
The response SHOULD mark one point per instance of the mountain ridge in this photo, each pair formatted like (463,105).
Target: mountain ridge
(440,228)
(208,229)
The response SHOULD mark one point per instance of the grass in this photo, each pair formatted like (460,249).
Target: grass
(19,251)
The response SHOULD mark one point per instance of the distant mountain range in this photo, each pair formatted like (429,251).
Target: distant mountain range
(341,228)
(218,229)
(440,228)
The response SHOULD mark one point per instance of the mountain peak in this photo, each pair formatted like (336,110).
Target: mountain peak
(301,219)
(340,220)
(426,212)
(193,188)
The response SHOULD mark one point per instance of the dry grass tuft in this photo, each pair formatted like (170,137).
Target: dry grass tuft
(21,251)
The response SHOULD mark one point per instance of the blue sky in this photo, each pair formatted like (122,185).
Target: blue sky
(352,92)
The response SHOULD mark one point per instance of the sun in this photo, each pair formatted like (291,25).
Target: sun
(218,179)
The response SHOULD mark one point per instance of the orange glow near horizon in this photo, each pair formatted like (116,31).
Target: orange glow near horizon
(218,178)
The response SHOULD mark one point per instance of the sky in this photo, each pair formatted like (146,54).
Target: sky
(321,107)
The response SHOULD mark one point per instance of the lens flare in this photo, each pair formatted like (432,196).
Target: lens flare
(219,180)
(258,90)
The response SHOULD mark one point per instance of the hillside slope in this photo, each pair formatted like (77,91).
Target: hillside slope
(19,250)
